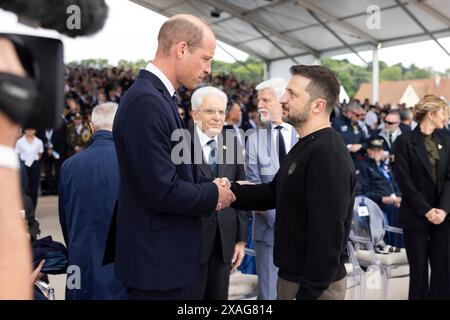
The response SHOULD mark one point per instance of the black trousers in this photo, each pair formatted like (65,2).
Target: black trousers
(30,180)
(214,279)
(429,246)
(51,164)
(136,294)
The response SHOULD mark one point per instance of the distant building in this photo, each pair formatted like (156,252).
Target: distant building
(406,91)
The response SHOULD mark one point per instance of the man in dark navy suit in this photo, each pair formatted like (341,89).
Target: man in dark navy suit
(161,201)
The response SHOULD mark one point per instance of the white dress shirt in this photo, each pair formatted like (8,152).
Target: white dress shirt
(29,152)
(204,139)
(157,72)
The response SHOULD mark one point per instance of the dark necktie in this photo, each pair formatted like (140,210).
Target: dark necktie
(212,160)
(281,145)
(390,140)
(175,98)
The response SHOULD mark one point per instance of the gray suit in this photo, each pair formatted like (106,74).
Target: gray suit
(261,166)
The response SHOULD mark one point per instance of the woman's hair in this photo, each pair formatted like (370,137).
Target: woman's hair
(429,103)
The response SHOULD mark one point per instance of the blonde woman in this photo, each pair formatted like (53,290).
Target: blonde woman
(423,173)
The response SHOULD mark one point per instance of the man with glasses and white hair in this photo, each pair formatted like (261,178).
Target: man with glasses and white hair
(89,186)
(217,154)
(266,150)
(391,130)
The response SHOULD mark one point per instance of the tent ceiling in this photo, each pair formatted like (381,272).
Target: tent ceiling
(280,29)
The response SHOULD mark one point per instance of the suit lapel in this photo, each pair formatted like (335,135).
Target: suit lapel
(221,160)
(162,88)
(199,157)
(421,151)
(443,157)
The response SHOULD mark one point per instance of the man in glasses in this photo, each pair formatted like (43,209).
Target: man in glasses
(391,130)
(349,129)
(217,154)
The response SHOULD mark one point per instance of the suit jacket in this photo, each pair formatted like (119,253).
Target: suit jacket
(261,166)
(412,170)
(58,140)
(313,193)
(373,183)
(160,203)
(88,190)
(230,223)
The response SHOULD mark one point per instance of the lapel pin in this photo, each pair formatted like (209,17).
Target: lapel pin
(292,168)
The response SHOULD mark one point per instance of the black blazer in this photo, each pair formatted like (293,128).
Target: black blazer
(412,170)
(58,140)
(231,224)
(160,203)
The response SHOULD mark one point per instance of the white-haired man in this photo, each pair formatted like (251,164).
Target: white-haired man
(267,149)
(217,155)
(89,186)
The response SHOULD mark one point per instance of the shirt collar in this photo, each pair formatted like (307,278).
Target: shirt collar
(283,124)
(204,139)
(157,72)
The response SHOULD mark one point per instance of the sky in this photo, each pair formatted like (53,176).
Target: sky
(131,31)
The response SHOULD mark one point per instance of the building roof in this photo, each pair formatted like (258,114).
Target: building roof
(393,91)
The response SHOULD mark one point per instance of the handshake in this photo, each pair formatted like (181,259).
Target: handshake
(226,196)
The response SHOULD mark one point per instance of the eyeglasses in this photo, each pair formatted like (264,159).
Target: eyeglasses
(390,123)
(211,112)
(359,115)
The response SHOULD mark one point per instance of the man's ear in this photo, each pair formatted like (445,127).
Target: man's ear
(194,115)
(180,49)
(92,127)
(319,105)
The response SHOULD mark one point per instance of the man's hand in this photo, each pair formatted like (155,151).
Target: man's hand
(226,197)
(238,256)
(388,200)
(224,182)
(355,148)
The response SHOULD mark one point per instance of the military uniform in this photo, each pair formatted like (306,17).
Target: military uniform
(76,138)
(350,133)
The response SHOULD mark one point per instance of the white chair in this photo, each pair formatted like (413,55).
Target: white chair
(369,226)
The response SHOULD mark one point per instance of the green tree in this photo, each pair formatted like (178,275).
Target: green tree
(393,73)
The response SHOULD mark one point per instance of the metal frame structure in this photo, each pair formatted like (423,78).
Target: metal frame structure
(303,31)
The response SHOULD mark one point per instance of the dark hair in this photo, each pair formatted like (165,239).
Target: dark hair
(324,83)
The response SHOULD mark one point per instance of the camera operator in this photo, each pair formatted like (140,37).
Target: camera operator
(15,257)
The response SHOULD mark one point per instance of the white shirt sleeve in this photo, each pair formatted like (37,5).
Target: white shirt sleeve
(41,146)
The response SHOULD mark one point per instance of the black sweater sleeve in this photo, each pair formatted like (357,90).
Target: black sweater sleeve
(258,197)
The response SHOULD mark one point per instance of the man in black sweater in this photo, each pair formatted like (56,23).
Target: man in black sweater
(313,193)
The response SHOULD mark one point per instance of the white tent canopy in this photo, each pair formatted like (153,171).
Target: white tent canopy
(283,32)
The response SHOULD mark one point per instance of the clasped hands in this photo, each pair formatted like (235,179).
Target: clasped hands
(436,216)
(226,196)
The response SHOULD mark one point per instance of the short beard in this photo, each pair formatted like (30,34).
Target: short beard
(299,119)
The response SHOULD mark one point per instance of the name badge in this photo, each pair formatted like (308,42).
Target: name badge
(363,211)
